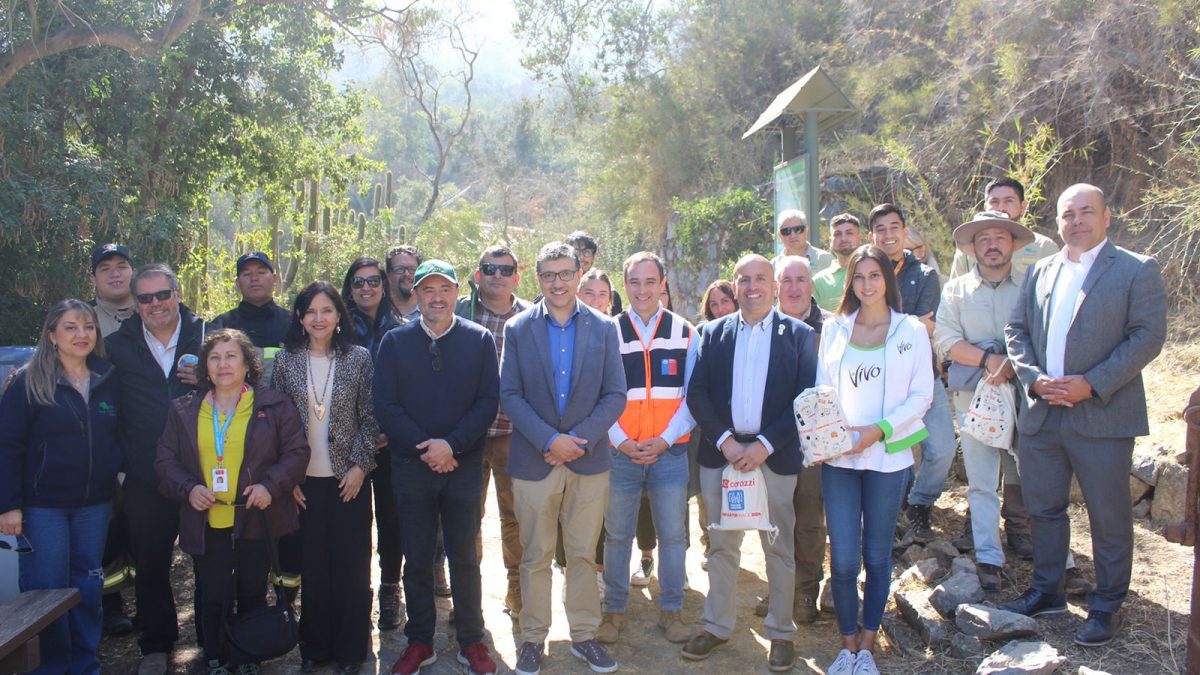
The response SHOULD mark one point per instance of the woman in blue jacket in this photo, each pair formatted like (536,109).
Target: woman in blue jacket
(58,466)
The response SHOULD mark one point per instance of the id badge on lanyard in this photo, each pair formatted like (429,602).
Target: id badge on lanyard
(220,475)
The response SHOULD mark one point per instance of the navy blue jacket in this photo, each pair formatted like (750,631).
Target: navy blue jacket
(61,456)
(792,369)
(920,290)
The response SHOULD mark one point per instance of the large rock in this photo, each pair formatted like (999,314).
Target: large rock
(965,647)
(922,617)
(901,636)
(914,554)
(963,564)
(943,550)
(990,623)
(922,574)
(1137,489)
(1145,464)
(1022,658)
(1084,670)
(961,588)
(1170,493)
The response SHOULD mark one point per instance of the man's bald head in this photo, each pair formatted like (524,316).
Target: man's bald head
(754,284)
(1083,218)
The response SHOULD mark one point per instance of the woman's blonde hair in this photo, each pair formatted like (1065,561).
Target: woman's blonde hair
(44,369)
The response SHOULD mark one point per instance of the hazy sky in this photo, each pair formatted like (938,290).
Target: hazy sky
(488,25)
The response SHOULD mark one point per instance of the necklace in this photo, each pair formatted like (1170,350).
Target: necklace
(80,383)
(319,399)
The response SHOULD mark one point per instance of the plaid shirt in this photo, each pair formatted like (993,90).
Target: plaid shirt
(494,323)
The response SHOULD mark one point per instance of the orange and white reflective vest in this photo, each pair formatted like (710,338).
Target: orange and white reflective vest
(655,376)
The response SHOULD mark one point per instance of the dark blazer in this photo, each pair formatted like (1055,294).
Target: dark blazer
(596,400)
(1119,329)
(793,368)
(276,456)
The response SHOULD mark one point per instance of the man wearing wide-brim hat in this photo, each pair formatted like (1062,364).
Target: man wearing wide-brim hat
(970,333)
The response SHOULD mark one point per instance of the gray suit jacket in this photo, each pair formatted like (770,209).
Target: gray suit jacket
(1119,329)
(596,400)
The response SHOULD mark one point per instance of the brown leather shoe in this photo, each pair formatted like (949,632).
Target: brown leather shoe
(782,656)
(701,646)
(673,627)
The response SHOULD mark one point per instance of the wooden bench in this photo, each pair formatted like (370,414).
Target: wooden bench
(22,618)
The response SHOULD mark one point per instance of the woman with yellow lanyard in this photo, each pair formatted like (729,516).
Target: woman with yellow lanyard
(228,448)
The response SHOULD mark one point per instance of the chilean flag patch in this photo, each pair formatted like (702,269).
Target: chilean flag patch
(670,366)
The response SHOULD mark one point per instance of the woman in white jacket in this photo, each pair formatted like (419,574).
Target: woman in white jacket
(879,361)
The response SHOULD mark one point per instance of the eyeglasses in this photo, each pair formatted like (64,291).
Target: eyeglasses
(795,229)
(402,269)
(436,354)
(490,269)
(22,545)
(372,281)
(585,252)
(161,296)
(565,275)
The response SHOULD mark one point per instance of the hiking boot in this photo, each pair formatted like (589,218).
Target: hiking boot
(529,659)
(1077,584)
(804,610)
(1021,544)
(414,657)
(477,660)
(215,667)
(965,542)
(782,656)
(611,624)
(922,530)
(591,653)
(989,577)
(389,606)
(674,627)
(641,575)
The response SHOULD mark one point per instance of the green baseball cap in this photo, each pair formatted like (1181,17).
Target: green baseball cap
(431,268)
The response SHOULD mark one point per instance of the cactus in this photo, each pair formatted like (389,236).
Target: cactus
(387,197)
(378,199)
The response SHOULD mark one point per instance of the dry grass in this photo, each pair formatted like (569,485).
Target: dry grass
(1172,377)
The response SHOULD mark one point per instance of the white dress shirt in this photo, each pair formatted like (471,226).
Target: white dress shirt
(751,356)
(163,354)
(1065,300)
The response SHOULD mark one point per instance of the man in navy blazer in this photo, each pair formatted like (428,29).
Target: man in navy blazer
(750,367)
(563,386)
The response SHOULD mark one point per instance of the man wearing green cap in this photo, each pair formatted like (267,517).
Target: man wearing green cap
(436,393)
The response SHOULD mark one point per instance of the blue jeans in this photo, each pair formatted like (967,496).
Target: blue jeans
(861,508)
(937,451)
(68,545)
(666,481)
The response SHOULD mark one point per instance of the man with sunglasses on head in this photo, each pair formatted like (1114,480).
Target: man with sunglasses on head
(563,386)
(491,303)
(146,352)
(436,394)
(793,234)
(402,262)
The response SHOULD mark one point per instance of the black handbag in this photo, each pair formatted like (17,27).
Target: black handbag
(268,632)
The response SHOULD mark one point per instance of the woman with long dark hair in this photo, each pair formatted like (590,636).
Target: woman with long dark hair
(328,378)
(230,454)
(877,358)
(58,468)
(365,293)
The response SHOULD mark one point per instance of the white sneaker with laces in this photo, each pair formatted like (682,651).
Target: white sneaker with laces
(864,663)
(843,664)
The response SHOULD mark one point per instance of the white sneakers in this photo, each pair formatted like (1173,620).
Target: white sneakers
(862,663)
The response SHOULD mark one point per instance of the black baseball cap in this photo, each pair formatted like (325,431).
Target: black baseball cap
(106,250)
(254,256)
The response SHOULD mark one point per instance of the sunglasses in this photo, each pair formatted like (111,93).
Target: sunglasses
(435,354)
(22,545)
(372,281)
(565,275)
(403,269)
(490,269)
(161,296)
(789,231)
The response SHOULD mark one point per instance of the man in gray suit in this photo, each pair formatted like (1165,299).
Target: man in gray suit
(1089,319)
(563,386)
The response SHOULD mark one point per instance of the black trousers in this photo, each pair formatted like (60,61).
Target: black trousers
(231,574)
(153,527)
(387,521)
(335,617)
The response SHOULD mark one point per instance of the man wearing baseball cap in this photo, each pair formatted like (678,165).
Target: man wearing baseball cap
(112,269)
(257,315)
(436,390)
